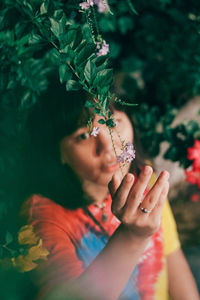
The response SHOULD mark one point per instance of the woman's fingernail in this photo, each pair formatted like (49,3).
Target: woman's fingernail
(147,170)
(166,175)
(129,177)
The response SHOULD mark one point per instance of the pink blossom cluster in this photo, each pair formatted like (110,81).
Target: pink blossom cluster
(128,154)
(102,5)
(87,4)
(193,174)
(103,49)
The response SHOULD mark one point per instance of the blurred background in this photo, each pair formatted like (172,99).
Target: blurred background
(154,50)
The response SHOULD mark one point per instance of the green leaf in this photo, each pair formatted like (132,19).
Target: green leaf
(35,39)
(103,90)
(100,60)
(89,124)
(103,66)
(85,53)
(81,46)
(101,121)
(191,127)
(78,38)
(89,71)
(67,54)
(104,101)
(97,111)
(103,78)
(132,8)
(9,238)
(72,85)
(89,104)
(55,27)
(43,9)
(67,49)
(59,16)
(124,103)
(110,123)
(70,36)
(64,73)
(109,114)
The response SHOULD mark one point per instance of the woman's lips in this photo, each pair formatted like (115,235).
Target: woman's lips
(110,167)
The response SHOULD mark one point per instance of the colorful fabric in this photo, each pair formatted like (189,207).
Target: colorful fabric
(75,238)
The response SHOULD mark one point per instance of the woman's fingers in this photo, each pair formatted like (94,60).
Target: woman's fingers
(122,193)
(153,195)
(141,217)
(114,184)
(137,192)
(156,212)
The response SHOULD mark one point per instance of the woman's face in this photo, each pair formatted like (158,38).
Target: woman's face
(93,158)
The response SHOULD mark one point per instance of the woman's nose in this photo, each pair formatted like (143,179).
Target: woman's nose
(103,142)
(103,139)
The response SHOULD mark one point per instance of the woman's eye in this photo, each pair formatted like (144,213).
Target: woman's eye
(117,121)
(83,136)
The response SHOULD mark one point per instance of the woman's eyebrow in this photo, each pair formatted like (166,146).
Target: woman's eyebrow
(80,129)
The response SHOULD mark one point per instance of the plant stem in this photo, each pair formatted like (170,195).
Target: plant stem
(113,145)
(95,20)
(74,72)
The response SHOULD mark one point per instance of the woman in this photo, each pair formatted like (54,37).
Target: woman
(97,251)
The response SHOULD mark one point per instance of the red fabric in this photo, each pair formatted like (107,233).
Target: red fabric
(61,229)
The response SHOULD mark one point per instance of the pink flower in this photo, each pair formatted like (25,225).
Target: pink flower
(87,4)
(102,5)
(95,131)
(128,154)
(103,48)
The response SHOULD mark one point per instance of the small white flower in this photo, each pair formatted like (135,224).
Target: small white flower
(95,131)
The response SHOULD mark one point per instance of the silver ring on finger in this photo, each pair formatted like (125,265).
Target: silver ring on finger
(145,210)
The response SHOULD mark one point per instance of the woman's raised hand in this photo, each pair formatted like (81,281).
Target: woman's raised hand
(139,214)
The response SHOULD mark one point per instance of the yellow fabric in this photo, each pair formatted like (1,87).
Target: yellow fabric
(171,241)
(171,244)
(162,285)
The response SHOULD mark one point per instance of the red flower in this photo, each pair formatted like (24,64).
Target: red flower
(194,154)
(193,176)
(195,198)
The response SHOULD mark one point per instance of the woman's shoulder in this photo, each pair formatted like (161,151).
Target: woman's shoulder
(38,208)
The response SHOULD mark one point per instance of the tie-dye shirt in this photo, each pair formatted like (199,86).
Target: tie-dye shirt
(75,237)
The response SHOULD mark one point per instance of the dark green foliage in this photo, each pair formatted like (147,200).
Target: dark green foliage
(156,43)
(180,138)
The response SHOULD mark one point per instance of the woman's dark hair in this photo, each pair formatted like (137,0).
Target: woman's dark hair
(56,114)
